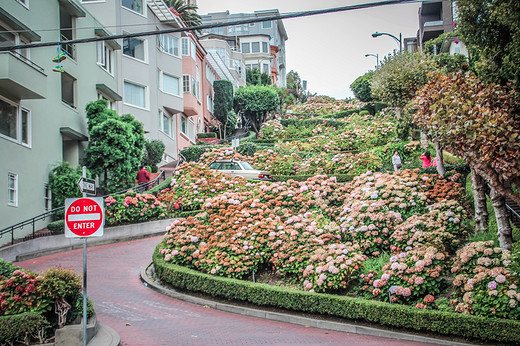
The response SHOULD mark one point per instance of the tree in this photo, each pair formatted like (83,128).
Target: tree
(187,11)
(294,86)
(153,152)
(255,77)
(254,102)
(63,183)
(116,146)
(480,123)
(223,104)
(491,30)
(361,87)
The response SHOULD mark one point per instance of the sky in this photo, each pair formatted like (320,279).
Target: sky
(329,50)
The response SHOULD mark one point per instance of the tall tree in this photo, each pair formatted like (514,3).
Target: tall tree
(361,87)
(294,85)
(480,123)
(223,105)
(491,30)
(255,77)
(254,102)
(116,146)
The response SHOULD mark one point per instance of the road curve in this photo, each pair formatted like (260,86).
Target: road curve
(142,316)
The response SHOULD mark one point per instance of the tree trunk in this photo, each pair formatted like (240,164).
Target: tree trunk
(479,197)
(424,140)
(440,159)
(504,227)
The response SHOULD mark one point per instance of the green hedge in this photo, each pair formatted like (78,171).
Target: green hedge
(194,152)
(207,135)
(14,328)
(342,178)
(385,314)
(156,189)
(57,227)
(7,268)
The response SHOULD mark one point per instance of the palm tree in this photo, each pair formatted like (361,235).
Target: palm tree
(187,11)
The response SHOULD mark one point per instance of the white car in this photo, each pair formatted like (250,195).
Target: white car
(239,169)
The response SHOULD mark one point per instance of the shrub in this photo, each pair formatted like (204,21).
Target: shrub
(20,293)
(193,153)
(7,268)
(57,227)
(207,135)
(26,327)
(247,149)
(63,181)
(132,207)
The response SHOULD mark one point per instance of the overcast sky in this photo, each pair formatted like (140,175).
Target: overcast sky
(329,50)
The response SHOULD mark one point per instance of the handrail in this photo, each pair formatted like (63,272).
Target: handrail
(510,208)
(50,213)
(27,61)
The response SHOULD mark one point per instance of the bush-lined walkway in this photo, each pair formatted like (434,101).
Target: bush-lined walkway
(121,298)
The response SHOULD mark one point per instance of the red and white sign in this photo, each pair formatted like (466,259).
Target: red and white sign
(84,217)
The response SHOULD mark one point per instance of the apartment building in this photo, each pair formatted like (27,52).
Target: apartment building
(262,44)
(150,69)
(42,112)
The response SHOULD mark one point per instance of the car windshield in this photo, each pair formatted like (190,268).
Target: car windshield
(246,165)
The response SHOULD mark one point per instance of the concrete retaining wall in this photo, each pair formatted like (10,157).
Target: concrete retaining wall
(57,243)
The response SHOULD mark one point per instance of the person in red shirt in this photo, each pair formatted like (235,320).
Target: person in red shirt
(143,177)
(426,159)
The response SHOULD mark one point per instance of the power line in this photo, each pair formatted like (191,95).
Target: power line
(212,25)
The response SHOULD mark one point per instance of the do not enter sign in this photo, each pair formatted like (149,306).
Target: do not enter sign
(84,217)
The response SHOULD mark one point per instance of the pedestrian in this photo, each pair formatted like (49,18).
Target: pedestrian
(426,159)
(143,177)
(396,161)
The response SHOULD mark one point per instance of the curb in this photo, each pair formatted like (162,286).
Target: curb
(287,318)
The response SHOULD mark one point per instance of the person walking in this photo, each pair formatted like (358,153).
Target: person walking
(143,177)
(427,159)
(396,161)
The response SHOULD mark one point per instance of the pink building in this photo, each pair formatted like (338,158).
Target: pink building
(197,85)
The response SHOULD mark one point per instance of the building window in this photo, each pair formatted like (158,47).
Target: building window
(68,89)
(184,124)
(245,48)
(193,51)
(134,5)
(67,32)
(191,129)
(195,84)
(104,56)
(111,103)
(47,198)
(185,46)
(12,189)
(266,25)
(265,68)
(15,123)
(210,103)
(265,47)
(255,47)
(135,95)
(186,83)
(210,75)
(165,123)
(169,44)
(135,48)
(170,84)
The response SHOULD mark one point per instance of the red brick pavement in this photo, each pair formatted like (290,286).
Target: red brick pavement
(142,316)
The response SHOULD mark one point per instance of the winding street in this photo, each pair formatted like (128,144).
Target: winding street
(142,316)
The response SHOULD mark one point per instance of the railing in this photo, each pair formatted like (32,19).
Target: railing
(27,61)
(32,221)
(68,48)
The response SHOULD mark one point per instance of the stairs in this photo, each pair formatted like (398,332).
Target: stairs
(514,211)
(169,168)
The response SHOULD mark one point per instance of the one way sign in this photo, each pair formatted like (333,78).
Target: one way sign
(87,186)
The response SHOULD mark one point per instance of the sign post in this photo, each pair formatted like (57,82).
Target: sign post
(84,217)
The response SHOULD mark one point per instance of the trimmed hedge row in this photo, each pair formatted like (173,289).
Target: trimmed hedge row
(342,178)
(57,227)
(207,135)
(17,328)
(385,314)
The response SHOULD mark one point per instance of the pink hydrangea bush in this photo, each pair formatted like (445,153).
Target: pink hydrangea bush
(133,207)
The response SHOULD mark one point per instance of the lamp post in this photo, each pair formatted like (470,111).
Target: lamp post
(377,58)
(398,40)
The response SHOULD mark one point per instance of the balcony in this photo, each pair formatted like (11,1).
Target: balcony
(20,78)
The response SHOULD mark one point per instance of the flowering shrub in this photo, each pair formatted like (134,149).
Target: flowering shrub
(322,105)
(484,282)
(20,293)
(133,207)
(222,153)
(272,129)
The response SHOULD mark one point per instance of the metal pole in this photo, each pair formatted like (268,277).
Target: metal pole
(84,277)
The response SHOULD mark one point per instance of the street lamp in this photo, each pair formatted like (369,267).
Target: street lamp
(376,56)
(398,40)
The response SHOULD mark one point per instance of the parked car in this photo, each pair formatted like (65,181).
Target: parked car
(239,169)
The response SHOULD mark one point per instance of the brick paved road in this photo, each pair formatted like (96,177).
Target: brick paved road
(121,298)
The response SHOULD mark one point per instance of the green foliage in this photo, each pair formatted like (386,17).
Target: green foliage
(434,45)
(132,207)
(207,135)
(255,77)
(491,30)
(247,149)
(451,63)
(7,268)
(231,123)
(340,178)
(223,101)
(57,227)
(255,102)
(153,152)
(63,182)
(187,11)
(396,82)
(116,145)
(193,153)
(394,315)
(361,87)
(29,327)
